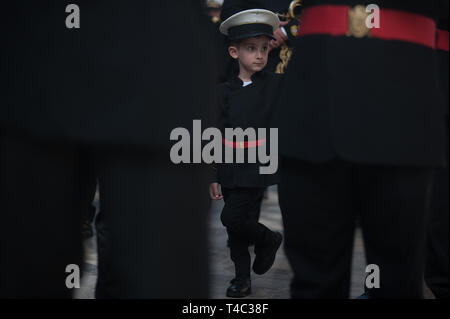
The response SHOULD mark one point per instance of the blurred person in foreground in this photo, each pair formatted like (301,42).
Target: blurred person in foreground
(102,96)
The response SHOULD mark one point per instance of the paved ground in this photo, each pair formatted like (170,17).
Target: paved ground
(273,285)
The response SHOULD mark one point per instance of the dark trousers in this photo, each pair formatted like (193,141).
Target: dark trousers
(437,266)
(155,214)
(240,216)
(320,204)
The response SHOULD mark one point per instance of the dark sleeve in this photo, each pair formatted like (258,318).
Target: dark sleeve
(219,122)
(444,10)
(289,30)
(277,87)
(443,24)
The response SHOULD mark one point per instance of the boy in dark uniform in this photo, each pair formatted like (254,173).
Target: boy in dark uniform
(247,101)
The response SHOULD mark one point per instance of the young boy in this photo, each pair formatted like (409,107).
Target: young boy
(247,101)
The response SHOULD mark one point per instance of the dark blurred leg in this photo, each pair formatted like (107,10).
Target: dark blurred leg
(40,216)
(436,272)
(154,217)
(319,225)
(394,222)
(437,267)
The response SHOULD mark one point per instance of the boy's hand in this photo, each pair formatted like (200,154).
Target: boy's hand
(214,191)
(280,37)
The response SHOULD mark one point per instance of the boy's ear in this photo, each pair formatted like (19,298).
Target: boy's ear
(233,51)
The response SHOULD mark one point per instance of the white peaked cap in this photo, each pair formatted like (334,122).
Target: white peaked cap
(249,17)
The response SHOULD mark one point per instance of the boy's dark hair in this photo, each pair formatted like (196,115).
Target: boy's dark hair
(235,43)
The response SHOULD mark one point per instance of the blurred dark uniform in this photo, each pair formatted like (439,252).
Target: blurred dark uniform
(105,96)
(225,72)
(361,132)
(436,274)
(275,63)
(213,10)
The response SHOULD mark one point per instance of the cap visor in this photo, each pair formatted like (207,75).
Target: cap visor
(252,35)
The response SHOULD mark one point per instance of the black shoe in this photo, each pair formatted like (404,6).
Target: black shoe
(364,296)
(239,288)
(265,254)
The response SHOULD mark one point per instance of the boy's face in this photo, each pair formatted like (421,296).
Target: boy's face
(251,53)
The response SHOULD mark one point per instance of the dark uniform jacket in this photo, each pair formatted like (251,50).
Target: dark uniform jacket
(364,100)
(231,7)
(253,106)
(443,59)
(133,71)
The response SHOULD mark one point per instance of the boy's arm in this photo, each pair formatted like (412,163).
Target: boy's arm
(219,123)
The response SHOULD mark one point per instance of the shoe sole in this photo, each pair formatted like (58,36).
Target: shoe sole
(239,296)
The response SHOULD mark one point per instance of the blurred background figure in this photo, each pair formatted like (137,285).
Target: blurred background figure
(214,9)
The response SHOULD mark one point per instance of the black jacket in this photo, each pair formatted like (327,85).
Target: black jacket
(133,71)
(253,106)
